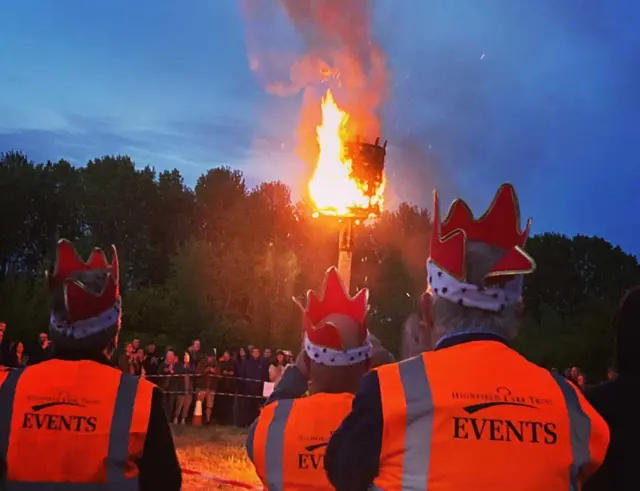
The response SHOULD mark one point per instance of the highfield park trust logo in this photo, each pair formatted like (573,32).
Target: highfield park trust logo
(311,455)
(525,421)
(58,413)
(503,396)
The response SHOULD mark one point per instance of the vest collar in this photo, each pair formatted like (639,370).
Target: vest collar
(468,337)
(79,356)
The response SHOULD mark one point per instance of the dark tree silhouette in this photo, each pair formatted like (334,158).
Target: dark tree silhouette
(222,261)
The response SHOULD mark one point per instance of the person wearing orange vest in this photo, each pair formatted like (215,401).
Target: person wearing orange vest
(472,413)
(287,442)
(75,422)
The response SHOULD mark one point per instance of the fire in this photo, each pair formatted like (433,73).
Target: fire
(333,187)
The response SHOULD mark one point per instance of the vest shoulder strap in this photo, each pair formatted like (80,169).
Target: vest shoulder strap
(265,443)
(7,393)
(580,425)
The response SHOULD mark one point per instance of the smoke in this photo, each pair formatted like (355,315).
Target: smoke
(414,171)
(338,53)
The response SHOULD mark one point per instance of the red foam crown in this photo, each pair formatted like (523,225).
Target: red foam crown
(334,300)
(499,226)
(81,302)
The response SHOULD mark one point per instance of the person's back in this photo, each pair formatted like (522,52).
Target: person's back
(502,418)
(86,409)
(308,422)
(288,440)
(616,401)
(472,413)
(75,421)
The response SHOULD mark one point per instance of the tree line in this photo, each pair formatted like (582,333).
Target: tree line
(220,261)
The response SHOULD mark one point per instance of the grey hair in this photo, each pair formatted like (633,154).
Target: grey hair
(380,355)
(449,317)
(416,337)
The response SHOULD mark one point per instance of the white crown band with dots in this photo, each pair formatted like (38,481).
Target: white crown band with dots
(493,299)
(87,327)
(338,358)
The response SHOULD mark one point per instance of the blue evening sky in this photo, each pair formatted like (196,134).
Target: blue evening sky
(543,93)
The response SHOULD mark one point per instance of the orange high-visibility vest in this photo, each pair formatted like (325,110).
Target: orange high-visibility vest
(72,425)
(480,416)
(288,441)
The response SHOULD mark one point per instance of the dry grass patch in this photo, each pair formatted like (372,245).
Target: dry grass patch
(213,450)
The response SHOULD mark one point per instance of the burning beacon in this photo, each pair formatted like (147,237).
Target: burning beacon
(349,181)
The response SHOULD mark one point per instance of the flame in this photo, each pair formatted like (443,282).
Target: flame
(333,188)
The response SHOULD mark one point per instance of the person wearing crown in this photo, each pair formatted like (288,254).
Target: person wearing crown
(75,421)
(472,413)
(287,442)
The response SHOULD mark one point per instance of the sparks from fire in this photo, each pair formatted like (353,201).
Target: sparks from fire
(333,188)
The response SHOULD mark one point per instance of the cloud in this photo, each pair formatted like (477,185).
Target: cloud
(192,146)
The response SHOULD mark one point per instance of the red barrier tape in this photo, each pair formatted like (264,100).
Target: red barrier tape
(228,482)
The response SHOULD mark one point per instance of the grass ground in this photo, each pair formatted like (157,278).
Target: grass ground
(213,450)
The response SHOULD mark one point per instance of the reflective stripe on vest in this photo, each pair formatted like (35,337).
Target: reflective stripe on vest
(580,428)
(7,393)
(118,440)
(419,426)
(274,451)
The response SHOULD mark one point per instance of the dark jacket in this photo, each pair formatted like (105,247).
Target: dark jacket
(254,371)
(195,357)
(616,401)
(4,352)
(208,375)
(15,363)
(227,382)
(123,363)
(172,381)
(265,363)
(40,354)
(150,364)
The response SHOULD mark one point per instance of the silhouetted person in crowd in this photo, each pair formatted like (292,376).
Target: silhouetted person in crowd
(226,389)
(208,371)
(184,399)
(276,369)
(257,372)
(136,364)
(173,384)
(241,386)
(18,358)
(267,358)
(616,401)
(126,359)
(44,350)
(4,347)
(195,354)
(151,362)
(581,382)
(572,374)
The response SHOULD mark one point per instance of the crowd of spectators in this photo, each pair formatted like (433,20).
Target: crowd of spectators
(229,384)
(18,353)
(579,378)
